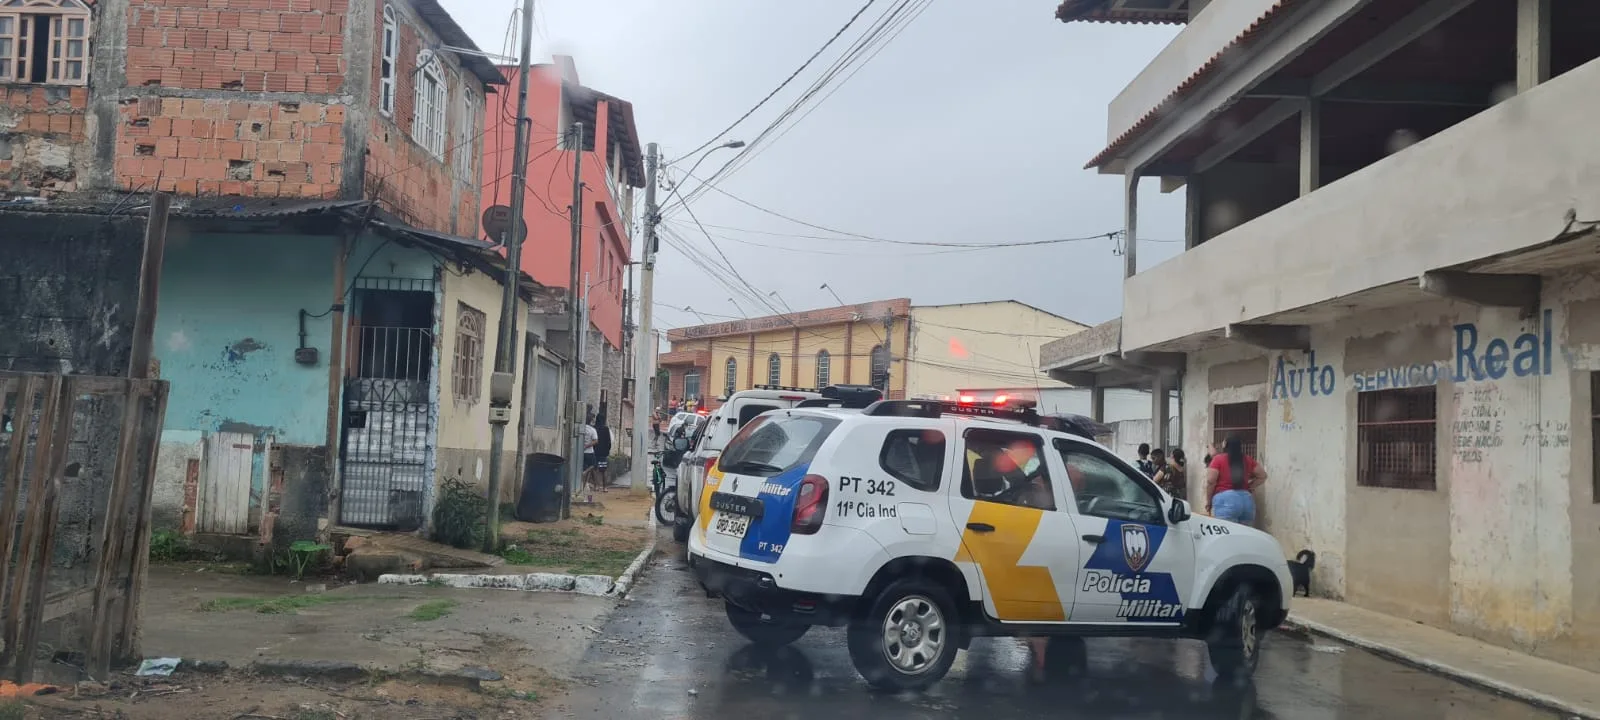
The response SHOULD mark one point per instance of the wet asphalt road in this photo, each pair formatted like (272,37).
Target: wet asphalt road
(668,652)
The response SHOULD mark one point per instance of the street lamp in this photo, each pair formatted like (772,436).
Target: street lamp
(732,144)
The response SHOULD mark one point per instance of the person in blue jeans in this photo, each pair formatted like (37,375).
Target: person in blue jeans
(1230,479)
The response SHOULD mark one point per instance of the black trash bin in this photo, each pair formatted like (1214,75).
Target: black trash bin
(540,500)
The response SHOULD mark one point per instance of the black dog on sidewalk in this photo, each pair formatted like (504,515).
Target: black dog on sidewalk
(1300,570)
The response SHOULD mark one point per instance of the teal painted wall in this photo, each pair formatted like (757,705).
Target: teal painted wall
(227,328)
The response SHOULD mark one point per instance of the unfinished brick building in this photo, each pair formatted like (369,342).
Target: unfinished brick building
(323,99)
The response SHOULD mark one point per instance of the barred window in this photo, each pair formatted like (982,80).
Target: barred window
(1396,441)
(774,369)
(730,378)
(1236,419)
(824,368)
(467,376)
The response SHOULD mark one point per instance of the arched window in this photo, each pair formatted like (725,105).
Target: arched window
(823,369)
(880,368)
(391,46)
(730,378)
(774,369)
(428,119)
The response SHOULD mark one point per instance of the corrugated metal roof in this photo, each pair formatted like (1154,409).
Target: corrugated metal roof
(1103,12)
(1194,81)
(188,207)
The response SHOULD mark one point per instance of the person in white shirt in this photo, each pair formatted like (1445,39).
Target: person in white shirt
(591,437)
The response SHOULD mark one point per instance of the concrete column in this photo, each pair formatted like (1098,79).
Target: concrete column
(1194,212)
(1533,43)
(1130,225)
(1097,404)
(1310,146)
(1159,410)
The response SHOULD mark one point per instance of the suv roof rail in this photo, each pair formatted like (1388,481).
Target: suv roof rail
(783,387)
(853,396)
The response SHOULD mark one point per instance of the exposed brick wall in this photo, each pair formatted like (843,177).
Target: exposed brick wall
(43,143)
(254,46)
(230,147)
(408,180)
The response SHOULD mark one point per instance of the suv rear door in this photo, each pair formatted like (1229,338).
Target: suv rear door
(749,499)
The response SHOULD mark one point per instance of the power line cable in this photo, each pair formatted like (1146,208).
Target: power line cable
(786,81)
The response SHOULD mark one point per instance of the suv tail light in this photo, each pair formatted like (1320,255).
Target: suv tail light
(711,462)
(810,506)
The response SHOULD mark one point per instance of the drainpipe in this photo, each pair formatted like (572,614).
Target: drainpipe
(336,334)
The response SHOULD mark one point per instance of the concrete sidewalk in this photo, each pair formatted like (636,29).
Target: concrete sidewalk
(1547,684)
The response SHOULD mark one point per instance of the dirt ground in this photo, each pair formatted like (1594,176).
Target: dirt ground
(601,538)
(193,611)
(239,696)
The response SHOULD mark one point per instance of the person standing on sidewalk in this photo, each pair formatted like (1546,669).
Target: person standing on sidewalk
(1230,480)
(1174,476)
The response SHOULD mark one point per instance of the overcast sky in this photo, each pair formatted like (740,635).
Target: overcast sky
(971,126)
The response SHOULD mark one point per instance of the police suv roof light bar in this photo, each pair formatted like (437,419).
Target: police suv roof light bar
(1068,423)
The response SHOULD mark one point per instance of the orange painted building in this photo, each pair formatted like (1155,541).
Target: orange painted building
(613,166)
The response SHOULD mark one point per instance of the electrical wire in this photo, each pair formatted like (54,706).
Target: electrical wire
(787,80)
(873,35)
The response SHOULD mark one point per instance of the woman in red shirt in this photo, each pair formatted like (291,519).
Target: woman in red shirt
(1230,478)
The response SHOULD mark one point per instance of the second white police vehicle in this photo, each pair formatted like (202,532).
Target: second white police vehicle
(919,525)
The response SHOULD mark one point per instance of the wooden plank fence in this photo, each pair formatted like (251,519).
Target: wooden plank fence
(97,617)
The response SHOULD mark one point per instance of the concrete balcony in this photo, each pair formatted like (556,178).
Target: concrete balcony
(1516,179)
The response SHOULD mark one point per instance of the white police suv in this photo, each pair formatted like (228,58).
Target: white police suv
(920,525)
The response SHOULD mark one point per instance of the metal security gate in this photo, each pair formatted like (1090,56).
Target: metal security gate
(386,473)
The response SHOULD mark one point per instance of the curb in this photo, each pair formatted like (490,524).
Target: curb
(1302,626)
(471,678)
(626,580)
(598,585)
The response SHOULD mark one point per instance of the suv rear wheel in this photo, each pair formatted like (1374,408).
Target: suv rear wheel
(762,630)
(1234,642)
(907,638)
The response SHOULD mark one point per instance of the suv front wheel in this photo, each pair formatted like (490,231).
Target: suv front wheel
(1234,642)
(907,638)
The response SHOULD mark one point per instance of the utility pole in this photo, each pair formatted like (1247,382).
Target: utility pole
(502,384)
(888,353)
(644,379)
(576,406)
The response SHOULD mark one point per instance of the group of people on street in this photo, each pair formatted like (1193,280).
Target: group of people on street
(1231,478)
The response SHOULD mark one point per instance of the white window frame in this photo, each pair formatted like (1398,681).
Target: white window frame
(386,64)
(66,65)
(462,153)
(428,127)
(824,368)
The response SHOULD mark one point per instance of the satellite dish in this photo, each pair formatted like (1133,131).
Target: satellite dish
(497,224)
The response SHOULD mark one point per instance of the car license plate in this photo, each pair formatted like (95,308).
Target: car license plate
(731,525)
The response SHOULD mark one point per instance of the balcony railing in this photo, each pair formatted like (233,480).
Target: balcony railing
(1501,181)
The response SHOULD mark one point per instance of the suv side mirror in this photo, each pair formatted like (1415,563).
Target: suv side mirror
(1179,512)
(680,444)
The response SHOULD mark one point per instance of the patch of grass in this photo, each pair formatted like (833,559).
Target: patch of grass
(517,556)
(436,582)
(13,710)
(168,546)
(432,610)
(284,605)
(594,519)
